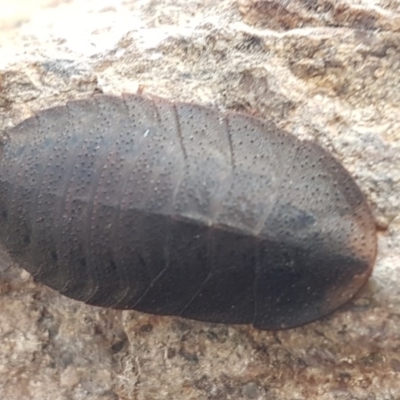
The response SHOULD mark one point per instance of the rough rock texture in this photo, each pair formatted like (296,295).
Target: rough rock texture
(323,69)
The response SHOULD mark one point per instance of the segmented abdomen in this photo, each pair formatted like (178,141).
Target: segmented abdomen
(179,209)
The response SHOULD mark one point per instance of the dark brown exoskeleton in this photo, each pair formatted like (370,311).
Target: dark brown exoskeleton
(130,202)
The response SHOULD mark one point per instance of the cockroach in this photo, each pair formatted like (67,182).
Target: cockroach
(169,208)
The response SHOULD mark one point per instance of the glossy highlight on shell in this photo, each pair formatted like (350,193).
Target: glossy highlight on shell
(177,209)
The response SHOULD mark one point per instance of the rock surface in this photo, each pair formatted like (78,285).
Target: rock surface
(323,69)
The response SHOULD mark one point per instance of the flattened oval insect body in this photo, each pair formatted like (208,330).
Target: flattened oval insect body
(177,209)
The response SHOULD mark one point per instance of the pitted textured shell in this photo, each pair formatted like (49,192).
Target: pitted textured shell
(169,208)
